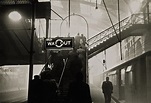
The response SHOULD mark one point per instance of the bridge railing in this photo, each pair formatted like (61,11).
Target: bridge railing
(110,32)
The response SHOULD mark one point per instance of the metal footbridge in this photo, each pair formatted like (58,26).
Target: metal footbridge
(133,25)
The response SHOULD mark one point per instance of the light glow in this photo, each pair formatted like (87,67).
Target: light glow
(15,16)
(129,68)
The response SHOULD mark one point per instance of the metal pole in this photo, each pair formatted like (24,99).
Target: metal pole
(110,20)
(31,50)
(50,19)
(65,63)
(69,19)
(47,29)
(148,18)
(119,28)
(79,16)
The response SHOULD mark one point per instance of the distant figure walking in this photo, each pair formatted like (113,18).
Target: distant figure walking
(79,91)
(107,88)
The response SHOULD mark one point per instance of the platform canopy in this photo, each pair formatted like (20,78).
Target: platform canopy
(15,36)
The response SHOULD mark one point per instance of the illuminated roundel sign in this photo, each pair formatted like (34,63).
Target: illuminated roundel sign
(59,43)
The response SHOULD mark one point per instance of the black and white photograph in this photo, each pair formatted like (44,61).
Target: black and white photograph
(75,51)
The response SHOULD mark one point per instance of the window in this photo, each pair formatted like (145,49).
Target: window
(123,77)
(129,75)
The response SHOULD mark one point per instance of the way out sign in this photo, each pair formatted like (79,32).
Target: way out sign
(59,43)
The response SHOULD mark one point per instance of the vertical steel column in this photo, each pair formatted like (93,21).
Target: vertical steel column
(119,20)
(148,12)
(47,26)
(47,29)
(31,49)
(69,17)
(110,20)
(50,21)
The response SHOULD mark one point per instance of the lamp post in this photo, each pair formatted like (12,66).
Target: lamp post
(61,25)
(79,16)
(86,40)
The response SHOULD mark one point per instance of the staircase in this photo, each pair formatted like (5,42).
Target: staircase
(130,26)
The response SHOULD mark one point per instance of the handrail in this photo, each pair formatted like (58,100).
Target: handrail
(64,67)
(109,32)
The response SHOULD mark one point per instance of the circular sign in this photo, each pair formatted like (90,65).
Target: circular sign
(59,43)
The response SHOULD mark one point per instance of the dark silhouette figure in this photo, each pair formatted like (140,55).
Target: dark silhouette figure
(107,88)
(74,65)
(49,87)
(36,86)
(79,91)
(46,74)
(49,91)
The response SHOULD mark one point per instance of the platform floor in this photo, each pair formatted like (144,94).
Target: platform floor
(96,94)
